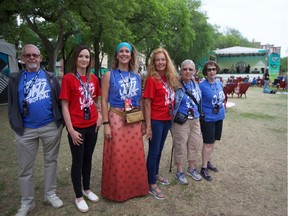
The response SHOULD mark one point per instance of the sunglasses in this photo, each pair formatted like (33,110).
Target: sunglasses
(34,55)
(188,69)
(211,69)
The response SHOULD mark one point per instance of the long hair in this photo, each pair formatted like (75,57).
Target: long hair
(74,58)
(170,71)
(210,63)
(133,63)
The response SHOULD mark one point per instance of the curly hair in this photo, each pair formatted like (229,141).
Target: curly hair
(133,63)
(74,58)
(170,71)
(210,63)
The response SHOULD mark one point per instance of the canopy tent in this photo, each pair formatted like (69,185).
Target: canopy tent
(241,60)
(8,64)
(237,50)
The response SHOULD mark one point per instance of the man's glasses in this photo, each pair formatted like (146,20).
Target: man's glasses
(211,69)
(34,55)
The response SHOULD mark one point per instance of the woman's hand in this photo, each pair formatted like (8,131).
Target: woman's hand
(148,133)
(143,128)
(99,122)
(76,137)
(107,131)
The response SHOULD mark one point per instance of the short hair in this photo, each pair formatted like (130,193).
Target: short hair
(186,62)
(30,45)
(208,63)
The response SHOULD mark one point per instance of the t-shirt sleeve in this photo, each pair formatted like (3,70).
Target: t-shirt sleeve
(149,90)
(65,89)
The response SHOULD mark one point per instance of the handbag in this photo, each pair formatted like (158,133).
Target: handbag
(180,118)
(134,116)
(199,105)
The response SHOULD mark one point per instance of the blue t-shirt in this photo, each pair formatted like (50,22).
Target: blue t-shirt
(212,94)
(39,100)
(187,102)
(124,85)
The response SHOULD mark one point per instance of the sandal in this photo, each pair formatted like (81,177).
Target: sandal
(162,180)
(158,195)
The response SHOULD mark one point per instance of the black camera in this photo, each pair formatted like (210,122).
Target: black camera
(215,109)
(170,109)
(25,107)
(190,113)
(87,113)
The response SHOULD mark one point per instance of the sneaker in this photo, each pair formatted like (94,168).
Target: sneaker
(25,209)
(91,196)
(205,174)
(181,178)
(82,205)
(211,167)
(54,200)
(194,174)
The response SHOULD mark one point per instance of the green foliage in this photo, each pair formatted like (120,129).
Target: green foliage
(284,64)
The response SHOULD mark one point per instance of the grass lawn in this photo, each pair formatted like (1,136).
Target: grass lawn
(251,158)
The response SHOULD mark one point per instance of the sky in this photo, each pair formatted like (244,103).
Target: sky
(263,21)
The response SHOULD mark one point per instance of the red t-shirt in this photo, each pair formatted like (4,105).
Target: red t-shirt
(161,97)
(73,92)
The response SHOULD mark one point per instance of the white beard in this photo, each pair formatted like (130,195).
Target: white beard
(32,66)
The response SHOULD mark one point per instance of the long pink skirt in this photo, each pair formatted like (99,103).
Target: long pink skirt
(124,173)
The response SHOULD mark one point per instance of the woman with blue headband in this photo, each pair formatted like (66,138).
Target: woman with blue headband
(124,174)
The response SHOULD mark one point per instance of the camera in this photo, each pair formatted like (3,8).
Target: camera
(215,109)
(87,115)
(25,107)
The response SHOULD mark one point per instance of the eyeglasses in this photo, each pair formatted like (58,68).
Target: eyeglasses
(211,69)
(34,55)
(188,69)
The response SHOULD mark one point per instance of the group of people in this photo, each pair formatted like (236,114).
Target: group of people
(39,106)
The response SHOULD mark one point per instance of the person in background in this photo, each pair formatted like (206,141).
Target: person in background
(187,135)
(266,81)
(34,112)
(213,108)
(124,173)
(159,95)
(79,94)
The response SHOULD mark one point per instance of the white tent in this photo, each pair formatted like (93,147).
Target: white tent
(8,64)
(237,50)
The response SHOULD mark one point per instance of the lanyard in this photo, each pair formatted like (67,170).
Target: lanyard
(215,92)
(191,90)
(86,90)
(168,89)
(28,88)
(127,84)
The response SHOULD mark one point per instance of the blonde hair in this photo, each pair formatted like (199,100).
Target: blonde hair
(170,71)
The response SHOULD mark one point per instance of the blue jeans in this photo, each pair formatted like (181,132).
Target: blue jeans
(159,133)
(265,90)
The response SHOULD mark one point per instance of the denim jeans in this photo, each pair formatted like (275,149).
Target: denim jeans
(159,133)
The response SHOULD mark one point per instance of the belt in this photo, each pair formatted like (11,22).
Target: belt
(122,114)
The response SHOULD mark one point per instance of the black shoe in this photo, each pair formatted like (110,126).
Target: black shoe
(211,167)
(205,174)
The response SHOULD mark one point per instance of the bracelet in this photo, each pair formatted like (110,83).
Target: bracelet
(106,122)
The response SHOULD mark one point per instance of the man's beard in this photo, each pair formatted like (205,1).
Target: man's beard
(32,66)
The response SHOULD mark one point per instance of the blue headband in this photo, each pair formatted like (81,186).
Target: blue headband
(120,45)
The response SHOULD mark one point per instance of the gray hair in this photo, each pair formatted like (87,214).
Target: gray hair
(186,62)
(30,45)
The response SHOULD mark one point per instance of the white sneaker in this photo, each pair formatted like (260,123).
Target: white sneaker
(54,200)
(91,196)
(82,206)
(25,209)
